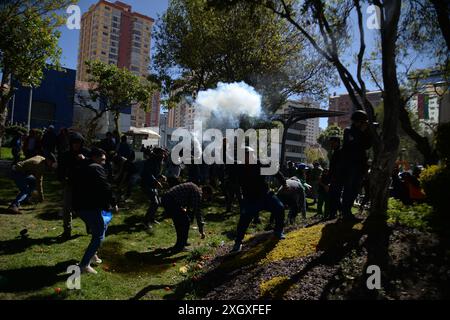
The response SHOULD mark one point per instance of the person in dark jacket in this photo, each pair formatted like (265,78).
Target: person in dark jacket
(335,177)
(16,146)
(92,195)
(357,141)
(182,203)
(49,140)
(151,176)
(123,148)
(257,197)
(68,172)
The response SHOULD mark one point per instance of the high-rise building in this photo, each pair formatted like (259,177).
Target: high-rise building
(182,116)
(296,135)
(344,103)
(114,34)
(431,105)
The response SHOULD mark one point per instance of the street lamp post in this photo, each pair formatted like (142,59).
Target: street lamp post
(29,108)
(12,109)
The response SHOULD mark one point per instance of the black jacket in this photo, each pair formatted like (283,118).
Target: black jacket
(356,143)
(254,185)
(92,191)
(69,164)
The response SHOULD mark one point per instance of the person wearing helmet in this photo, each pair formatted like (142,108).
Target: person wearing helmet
(256,197)
(353,166)
(68,169)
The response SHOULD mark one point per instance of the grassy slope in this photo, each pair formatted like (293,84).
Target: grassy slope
(134,264)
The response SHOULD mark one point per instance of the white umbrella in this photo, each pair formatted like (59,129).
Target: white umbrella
(150,133)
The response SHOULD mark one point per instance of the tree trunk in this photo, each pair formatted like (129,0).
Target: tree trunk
(3,115)
(5,95)
(116,122)
(283,145)
(386,153)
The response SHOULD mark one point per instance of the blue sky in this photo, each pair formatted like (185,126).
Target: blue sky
(70,38)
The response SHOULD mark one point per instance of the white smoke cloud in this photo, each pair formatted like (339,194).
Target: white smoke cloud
(222,107)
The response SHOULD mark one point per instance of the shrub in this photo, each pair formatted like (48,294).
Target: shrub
(434,180)
(416,216)
(441,140)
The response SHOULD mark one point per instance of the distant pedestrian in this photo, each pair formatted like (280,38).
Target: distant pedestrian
(123,148)
(16,147)
(49,140)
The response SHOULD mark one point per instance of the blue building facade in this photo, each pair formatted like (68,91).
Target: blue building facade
(52,101)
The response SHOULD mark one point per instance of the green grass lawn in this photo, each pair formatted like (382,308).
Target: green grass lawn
(134,266)
(6,154)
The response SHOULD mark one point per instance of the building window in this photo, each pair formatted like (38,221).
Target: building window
(107,8)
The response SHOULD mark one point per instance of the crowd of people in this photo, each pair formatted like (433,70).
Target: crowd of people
(97,180)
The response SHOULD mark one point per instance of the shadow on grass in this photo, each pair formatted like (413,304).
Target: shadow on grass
(18,245)
(130,225)
(33,278)
(146,290)
(50,213)
(155,262)
(226,267)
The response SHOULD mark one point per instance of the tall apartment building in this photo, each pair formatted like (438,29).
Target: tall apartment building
(344,103)
(182,116)
(114,34)
(431,104)
(296,135)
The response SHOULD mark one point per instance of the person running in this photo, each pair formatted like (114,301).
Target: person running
(257,197)
(92,194)
(28,176)
(182,203)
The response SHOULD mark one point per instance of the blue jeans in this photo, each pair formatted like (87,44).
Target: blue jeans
(26,185)
(94,221)
(251,207)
